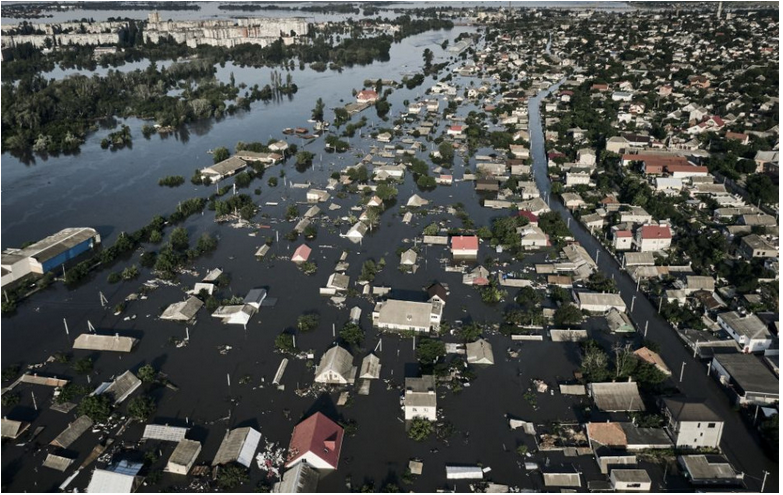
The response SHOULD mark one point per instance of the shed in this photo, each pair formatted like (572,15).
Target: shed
(239,445)
(562,476)
(57,462)
(183,457)
(709,470)
(464,473)
(416,201)
(164,432)
(408,258)
(619,322)
(263,250)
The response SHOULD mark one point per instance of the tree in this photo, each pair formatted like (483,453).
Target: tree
(97,407)
(595,362)
(567,315)
(307,322)
(369,270)
(285,342)
(83,366)
(304,158)
(291,212)
(147,374)
(386,191)
(420,429)
(470,332)
(231,476)
(352,334)
(431,229)
(761,188)
(599,282)
(141,408)
(318,111)
(220,154)
(428,351)
(179,239)
(206,243)
(382,107)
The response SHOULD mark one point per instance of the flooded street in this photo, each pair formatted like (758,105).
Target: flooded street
(103,189)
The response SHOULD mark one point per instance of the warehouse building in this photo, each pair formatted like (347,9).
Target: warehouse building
(47,254)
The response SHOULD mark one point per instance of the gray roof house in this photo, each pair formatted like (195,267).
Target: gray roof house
(239,445)
(336,367)
(72,432)
(479,352)
(183,310)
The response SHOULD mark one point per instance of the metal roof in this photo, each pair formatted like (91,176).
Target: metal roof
(164,432)
(94,342)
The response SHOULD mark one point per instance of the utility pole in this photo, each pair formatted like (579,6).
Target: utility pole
(633,301)
(764,481)
(682,370)
(66,327)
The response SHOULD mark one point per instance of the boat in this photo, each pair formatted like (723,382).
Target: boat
(288,130)
(300,130)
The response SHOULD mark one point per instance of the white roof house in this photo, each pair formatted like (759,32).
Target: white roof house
(595,302)
(421,400)
(479,352)
(395,314)
(336,367)
(239,445)
(235,314)
(371,367)
(408,258)
(616,396)
(356,233)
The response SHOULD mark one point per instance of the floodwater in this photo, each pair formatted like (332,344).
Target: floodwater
(116,191)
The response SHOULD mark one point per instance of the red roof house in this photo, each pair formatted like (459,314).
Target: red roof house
(656,232)
(317,441)
(466,245)
(366,96)
(531,217)
(301,254)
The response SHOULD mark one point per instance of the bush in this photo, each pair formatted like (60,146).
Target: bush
(231,476)
(141,408)
(285,343)
(352,334)
(83,366)
(428,351)
(307,322)
(172,181)
(147,374)
(97,407)
(420,429)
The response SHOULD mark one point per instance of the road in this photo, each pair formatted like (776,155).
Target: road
(738,443)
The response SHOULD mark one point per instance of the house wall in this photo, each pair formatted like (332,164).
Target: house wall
(420,412)
(696,434)
(748,398)
(748,345)
(606,462)
(646,245)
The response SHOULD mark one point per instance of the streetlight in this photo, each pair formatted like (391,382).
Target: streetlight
(682,370)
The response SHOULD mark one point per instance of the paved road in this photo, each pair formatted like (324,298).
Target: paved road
(738,443)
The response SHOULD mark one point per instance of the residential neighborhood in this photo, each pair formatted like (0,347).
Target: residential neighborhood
(475,247)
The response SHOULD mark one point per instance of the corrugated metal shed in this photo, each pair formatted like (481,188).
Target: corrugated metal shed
(164,432)
(12,429)
(57,462)
(238,445)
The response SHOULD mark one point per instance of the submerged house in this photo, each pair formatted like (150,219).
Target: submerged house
(183,310)
(421,400)
(317,442)
(122,477)
(336,367)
